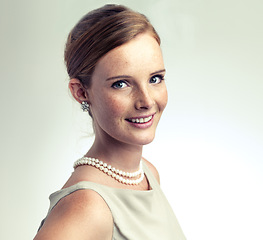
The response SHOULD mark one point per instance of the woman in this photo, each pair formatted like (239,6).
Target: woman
(116,71)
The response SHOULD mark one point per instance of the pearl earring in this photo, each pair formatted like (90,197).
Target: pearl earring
(85,106)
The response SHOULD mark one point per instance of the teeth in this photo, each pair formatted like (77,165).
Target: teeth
(141,120)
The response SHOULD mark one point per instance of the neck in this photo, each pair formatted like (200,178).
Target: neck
(118,154)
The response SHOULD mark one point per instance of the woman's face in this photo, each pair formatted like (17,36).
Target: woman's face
(128,95)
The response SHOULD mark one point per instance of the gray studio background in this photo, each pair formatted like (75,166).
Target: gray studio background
(208,147)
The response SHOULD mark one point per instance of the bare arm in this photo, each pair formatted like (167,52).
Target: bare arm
(83,215)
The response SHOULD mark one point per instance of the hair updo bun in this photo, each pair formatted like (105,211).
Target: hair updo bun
(97,33)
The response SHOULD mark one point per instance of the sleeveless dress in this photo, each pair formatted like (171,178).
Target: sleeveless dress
(137,215)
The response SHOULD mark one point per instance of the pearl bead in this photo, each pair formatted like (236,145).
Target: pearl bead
(117,174)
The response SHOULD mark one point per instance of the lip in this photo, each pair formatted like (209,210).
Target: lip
(141,125)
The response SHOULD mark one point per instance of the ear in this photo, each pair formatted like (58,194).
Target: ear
(78,91)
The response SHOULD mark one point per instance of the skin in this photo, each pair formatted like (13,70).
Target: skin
(127,84)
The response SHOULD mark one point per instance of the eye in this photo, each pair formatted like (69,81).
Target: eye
(119,84)
(156,79)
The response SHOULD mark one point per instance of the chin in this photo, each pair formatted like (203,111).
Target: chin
(145,141)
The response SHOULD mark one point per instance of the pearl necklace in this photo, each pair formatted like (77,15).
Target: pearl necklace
(111,171)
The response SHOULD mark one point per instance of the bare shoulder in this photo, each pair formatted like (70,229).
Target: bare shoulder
(152,169)
(81,215)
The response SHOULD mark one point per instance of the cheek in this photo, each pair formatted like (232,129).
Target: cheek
(162,98)
(112,106)
(117,106)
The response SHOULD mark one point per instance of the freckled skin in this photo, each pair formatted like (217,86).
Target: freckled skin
(111,107)
(118,142)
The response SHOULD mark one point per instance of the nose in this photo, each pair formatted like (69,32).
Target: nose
(144,99)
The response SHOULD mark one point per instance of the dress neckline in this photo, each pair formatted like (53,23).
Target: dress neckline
(149,177)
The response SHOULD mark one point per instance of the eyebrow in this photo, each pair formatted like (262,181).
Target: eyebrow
(127,76)
(118,77)
(160,71)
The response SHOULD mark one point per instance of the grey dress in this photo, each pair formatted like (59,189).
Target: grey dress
(137,215)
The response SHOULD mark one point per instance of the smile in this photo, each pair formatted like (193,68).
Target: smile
(140,120)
